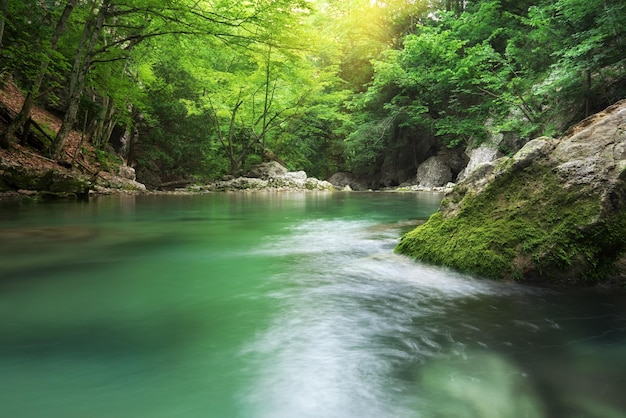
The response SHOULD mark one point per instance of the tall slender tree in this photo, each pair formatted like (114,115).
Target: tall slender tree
(4,11)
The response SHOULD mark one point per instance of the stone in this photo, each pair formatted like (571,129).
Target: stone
(295,175)
(54,180)
(554,213)
(434,172)
(342,179)
(478,156)
(267,170)
(283,181)
(127,172)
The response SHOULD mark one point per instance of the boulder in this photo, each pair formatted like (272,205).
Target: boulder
(434,172)
(267,170)
(554,213)
(271,177)
(127,172)
(55,181)
(478,156)
(342,179)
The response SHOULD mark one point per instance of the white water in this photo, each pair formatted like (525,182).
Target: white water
(363,332)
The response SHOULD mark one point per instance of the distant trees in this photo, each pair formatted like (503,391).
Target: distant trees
(207,88)
(527,67)
(99,49)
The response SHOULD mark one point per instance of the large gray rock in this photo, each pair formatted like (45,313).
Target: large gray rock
(478,156)
(267,170)
(271,176)
(127,172)
(554,213)
(345,180)
(434,172)
(44,179)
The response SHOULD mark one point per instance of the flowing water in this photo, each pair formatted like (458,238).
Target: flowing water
(282,306)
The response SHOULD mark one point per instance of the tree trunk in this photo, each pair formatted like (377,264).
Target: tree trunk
(80,68)
(21,118)
(234,159)
(4,11)
(588,94)
(103,132)
(266,102)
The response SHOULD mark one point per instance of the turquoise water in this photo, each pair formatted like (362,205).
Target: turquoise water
(282,305)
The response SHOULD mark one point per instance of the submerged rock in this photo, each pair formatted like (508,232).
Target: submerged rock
(554,213)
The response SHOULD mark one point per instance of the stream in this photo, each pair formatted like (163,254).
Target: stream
(282,305)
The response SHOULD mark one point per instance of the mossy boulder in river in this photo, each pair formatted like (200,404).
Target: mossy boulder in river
(554,213)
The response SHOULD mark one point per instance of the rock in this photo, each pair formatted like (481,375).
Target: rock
(554,213)
(478,156)
(127,172)
(54,181)
(342,179)
(295,175)
(106,183)
(434,172)
(274,178)
(241,183)
(267,170)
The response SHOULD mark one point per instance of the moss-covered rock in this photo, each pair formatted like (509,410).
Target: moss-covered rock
(554,213)
(54,182)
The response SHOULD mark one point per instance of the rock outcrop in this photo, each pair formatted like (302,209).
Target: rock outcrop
(440,169)
(433,172)
(554,213)
(47,181)
(347,181)
(267,170)
(24,174)
(483,154)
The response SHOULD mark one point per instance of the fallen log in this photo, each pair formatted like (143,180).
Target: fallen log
(175,183)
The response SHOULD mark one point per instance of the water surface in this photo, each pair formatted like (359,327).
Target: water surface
(279,306)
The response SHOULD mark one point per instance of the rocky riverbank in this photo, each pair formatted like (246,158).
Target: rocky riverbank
(25,174)
(269,176)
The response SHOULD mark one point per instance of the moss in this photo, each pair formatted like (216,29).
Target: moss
(524,226)
(108,161)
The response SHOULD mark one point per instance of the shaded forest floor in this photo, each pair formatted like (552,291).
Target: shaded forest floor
(27,156)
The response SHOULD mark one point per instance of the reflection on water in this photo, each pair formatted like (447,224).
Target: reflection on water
(282,305)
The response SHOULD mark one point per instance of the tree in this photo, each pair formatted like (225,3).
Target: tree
(587,38)
(18,122)
(4,11)
(82,63)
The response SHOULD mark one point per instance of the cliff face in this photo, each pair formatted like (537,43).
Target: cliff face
(554,213)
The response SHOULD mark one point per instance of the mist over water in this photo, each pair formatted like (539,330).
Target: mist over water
(282,305)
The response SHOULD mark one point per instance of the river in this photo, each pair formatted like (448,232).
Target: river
(282,305)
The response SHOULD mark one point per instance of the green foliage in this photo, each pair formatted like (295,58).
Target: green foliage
(108,162)
(324,85)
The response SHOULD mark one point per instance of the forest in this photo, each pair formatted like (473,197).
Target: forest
(201,89)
